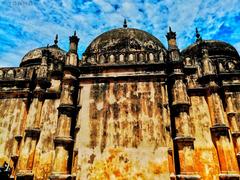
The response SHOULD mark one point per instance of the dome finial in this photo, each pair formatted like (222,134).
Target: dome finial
(74,42)
(125,23)
(56,39)
(198,36)
(171,34)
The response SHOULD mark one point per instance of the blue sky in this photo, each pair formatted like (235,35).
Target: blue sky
(28,24)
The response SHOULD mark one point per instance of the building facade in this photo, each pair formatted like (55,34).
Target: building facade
(129,109)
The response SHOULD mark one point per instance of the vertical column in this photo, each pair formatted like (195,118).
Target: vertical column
(170,164)
(220,130)
(231,115)
(67,115)
(179,101)
(76,133)
(32,132)
(19,135)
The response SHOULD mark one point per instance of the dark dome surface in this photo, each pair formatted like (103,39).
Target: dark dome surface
(34,56)
(214,47)
(124,40)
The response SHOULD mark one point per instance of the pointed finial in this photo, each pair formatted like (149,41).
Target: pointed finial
(74,40)
(56,39)
(125,23)
(198,36)
(171,34)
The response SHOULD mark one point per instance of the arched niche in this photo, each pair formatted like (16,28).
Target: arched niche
(121,58)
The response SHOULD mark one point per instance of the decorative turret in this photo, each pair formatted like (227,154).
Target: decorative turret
(73,42)
(174,54)
(171,37)
(72,56)
(125,23)
(171,34)
(56,40)
(198,36)
(67,111)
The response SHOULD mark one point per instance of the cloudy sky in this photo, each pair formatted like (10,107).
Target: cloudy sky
(28,24)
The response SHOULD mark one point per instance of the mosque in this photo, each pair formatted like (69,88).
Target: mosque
(130,108)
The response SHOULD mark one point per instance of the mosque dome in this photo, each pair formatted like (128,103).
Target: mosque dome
(126,42)
(216,49)
(34,56)
(222,54)
(124,39)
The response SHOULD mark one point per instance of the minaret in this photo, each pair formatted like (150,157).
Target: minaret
(179,107)
(67,114)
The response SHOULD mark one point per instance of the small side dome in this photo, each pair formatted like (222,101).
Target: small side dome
(34,56)
(216,49)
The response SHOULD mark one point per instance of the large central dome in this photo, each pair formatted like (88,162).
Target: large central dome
(123,41)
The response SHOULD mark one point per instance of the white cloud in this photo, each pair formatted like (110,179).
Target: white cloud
(104,6)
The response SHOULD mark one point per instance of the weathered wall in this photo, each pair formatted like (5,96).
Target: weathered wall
(44,154)
(206,157)
(34,154)
(123,123)
(12,115)
(122,131)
